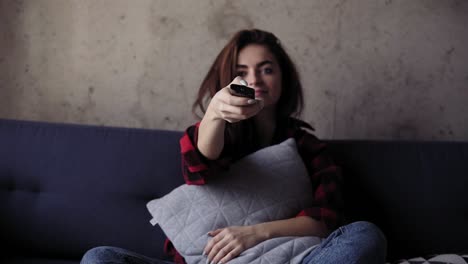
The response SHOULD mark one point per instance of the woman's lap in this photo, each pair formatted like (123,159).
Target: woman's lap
(358,242)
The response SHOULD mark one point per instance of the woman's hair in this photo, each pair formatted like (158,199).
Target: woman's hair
(224,70)
(242,135)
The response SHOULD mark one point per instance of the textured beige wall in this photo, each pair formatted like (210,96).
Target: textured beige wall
(372,69)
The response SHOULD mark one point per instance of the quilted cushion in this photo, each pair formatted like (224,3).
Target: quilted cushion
(267,185)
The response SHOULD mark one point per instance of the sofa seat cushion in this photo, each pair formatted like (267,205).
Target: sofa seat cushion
(436,259)
(38,261)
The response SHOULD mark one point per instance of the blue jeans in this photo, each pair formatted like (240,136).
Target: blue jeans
(359,242)
(107,255)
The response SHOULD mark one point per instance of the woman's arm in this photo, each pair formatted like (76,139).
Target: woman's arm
(203,143)
(326,179)
(223,107)
(298,226)
(211,134)
(196,168)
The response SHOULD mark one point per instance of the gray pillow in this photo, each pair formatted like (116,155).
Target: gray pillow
(267,185)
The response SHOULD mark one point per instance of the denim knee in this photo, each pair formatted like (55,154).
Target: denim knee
(371,230)
(97,255)
(377,241)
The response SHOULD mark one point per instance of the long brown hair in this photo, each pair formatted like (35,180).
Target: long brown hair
(224,70)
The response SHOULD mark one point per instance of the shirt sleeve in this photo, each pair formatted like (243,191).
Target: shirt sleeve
(170,251)
(196,168)
(326,181)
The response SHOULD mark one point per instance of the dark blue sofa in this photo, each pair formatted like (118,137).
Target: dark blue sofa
(65,188)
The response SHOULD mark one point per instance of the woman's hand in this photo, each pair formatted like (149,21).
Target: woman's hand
(228,243)
(232,108)
(223,107)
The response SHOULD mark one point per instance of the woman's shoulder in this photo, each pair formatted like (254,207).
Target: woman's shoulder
(192,130)
(298,128)
(302,132)
(296,123)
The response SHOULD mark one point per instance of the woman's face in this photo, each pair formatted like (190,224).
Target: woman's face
(260,69)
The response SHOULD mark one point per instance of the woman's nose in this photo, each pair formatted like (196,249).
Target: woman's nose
(253,79)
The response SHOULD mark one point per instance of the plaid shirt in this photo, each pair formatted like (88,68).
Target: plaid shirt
(325,176)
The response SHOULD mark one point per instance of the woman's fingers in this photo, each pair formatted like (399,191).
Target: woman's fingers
(239,80)
(230,242)
(215,232)
(234,108)
(227,253)
(228,98)
(225,250)
(229,256)
(215,245)
(231,111)
(220,250)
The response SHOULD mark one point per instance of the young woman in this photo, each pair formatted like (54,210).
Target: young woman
(234,126)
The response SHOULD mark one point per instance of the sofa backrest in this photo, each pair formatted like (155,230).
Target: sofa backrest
(66,188)
(415,191)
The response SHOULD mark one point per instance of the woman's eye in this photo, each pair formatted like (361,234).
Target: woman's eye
(268,70)
(241,74)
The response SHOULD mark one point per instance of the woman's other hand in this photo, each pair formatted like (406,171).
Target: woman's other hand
(231,108)
(228,243)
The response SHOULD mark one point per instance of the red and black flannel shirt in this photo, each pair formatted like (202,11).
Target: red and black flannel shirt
(325,176)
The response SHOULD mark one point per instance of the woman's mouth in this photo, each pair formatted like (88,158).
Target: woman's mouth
(259,93)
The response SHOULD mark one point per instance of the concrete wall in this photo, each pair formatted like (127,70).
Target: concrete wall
(372,69)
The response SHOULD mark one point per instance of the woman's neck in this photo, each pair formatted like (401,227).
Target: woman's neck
(265,123)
